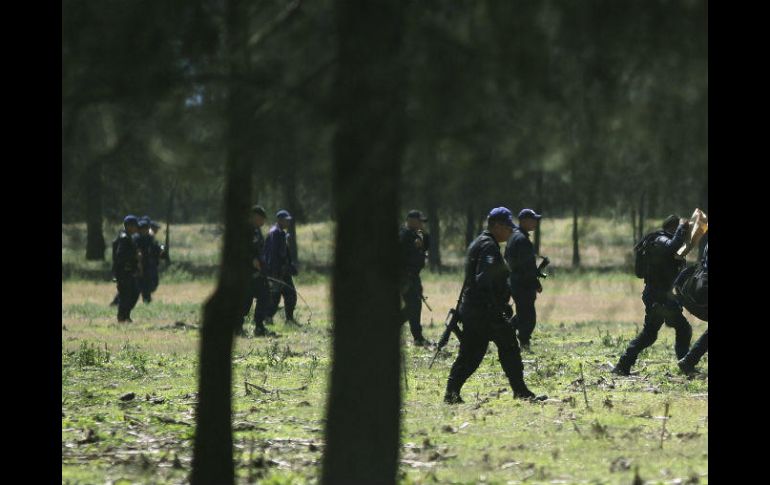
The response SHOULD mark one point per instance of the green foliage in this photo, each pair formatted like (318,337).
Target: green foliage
(90,354)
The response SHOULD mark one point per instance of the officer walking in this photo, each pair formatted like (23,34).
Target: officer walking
(157,252)
(259,288)
(126,267)
(688,362)
(413,245)
(144,243)
(280,266)
(663,266)
(524,282)
(484,311)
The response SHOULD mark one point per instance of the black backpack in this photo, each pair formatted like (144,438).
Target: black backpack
(692,290)
(642,254)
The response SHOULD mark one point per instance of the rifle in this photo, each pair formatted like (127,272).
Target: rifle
(425,300)
(450,325)
(545,262)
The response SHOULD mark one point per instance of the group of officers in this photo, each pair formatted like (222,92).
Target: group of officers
(136,256)
(492,279)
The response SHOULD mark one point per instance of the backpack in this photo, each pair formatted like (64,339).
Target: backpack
(692,290)
(642,256)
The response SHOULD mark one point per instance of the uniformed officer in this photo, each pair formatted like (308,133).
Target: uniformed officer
(126,267)
(280,266)
(484,311)
(659,302)
(414,244)
(259,288)
(688,362)
(144,243)
(157,252)
(524,282)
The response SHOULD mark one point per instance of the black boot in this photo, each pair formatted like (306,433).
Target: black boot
(452,395)
(686,366)
(525,393)
(261,331)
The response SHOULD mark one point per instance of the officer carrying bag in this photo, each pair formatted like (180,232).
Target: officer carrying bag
(692,290)
(642,254)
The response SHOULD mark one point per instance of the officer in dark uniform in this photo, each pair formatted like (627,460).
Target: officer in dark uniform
(484,311)
(280,266)
(659,302)
(156,254)
(524,282)
(688,362)
(413,245)
(259,287)
(144,242)
(126,267)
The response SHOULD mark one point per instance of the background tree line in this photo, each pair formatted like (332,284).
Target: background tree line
(577,108)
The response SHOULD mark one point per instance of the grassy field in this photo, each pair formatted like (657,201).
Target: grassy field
(128,390)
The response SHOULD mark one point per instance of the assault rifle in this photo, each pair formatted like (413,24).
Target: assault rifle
(450,325)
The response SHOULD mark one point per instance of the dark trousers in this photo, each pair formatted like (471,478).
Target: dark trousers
(148,283)
(526,316)
(128,295)
(697,351)
(259,290)
(413,305)
(478,330)
(660,307)
(288,293)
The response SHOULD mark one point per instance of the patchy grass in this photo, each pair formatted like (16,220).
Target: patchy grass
(128,393)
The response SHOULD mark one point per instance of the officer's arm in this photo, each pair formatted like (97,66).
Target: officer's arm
(268,251)
(673,244)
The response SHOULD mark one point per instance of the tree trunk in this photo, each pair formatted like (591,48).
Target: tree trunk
(470,225)
(434,251)
(363,411)
(95,245)
(633,226)
(539,208)
(641,216)
(213,447)
(293,206)
(575,238)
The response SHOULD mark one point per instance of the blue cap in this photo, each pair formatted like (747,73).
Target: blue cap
(154,225)
(130,219)
(144,221)
(529,213)
(283,214)
(501,215)
(415,214)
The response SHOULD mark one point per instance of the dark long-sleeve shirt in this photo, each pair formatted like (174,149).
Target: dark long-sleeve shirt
(277,255)
(412,256)
(257,247)
(665,266)
(485,276)
(520,256)
(125,255)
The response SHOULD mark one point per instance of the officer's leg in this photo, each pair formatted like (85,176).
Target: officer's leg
(683,331)
(262,309)
(289,298)
(154,279)
(275,299)
(121,298)
(696,352)
(510,357)
(525,318)
(134,295)
(414,308)
(473,346)
(143,282)
(653,320)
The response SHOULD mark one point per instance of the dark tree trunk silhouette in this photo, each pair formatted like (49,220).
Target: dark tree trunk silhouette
(470,225)
(539,208)
(222,313)
(633,226)
(363,411)
(434,251)
(641,216)
(575,237)
(95,245)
